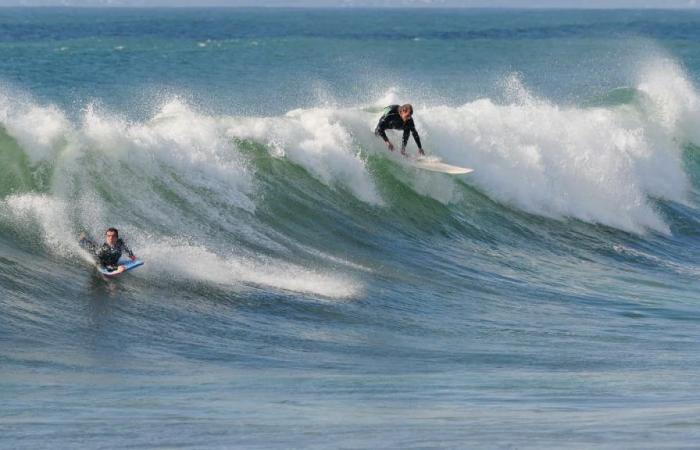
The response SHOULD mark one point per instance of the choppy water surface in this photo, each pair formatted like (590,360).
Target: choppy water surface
(301,289)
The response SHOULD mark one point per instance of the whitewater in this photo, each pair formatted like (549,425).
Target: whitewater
(302,288)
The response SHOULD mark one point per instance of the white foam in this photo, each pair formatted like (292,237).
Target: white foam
(317,140)
(197,262)
(176,138)
(672,101)
(109,171)
(390,97)
(595,164)
(39,130)
(175,258)
(600,165)
(49,213)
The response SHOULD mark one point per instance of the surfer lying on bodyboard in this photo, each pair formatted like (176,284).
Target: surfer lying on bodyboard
(107,255)
(397,117)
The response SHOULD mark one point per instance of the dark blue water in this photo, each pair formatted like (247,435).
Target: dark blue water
(304,289)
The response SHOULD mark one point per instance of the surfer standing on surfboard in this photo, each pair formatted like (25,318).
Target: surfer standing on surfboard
(108,254)
(397,117)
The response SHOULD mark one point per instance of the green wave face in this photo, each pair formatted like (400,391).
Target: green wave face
(314,195)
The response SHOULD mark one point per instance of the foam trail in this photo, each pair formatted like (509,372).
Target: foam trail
(198,263)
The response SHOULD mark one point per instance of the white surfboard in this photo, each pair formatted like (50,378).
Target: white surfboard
(435,165)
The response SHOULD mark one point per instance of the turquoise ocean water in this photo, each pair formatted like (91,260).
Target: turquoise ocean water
(301,289)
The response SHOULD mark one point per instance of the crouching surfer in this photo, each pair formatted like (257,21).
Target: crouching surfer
(397,117)
(107,255)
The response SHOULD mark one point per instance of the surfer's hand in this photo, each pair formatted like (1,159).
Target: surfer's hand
(121,269)
(420,150)
(390,146)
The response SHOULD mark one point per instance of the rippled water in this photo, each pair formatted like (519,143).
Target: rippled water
(303,290)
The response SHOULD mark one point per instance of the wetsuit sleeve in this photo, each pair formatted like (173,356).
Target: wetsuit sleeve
(379,131)
(126,249)
(88,245)
(411,128)
(382,125)
(416,138)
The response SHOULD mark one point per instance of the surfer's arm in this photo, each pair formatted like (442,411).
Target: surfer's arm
(382,126)
(417,139)
(411,128)
(382,134)
(128,251)
(87,244)
(404,141)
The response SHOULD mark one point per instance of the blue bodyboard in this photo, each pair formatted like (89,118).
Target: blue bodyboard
(127,263)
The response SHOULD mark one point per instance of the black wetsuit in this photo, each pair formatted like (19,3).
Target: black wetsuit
(105,255)
(392,120)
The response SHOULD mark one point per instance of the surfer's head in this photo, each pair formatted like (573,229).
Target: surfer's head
(111,236)
(406,111)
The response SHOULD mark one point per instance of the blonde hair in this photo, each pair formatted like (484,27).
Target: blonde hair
(407,107)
